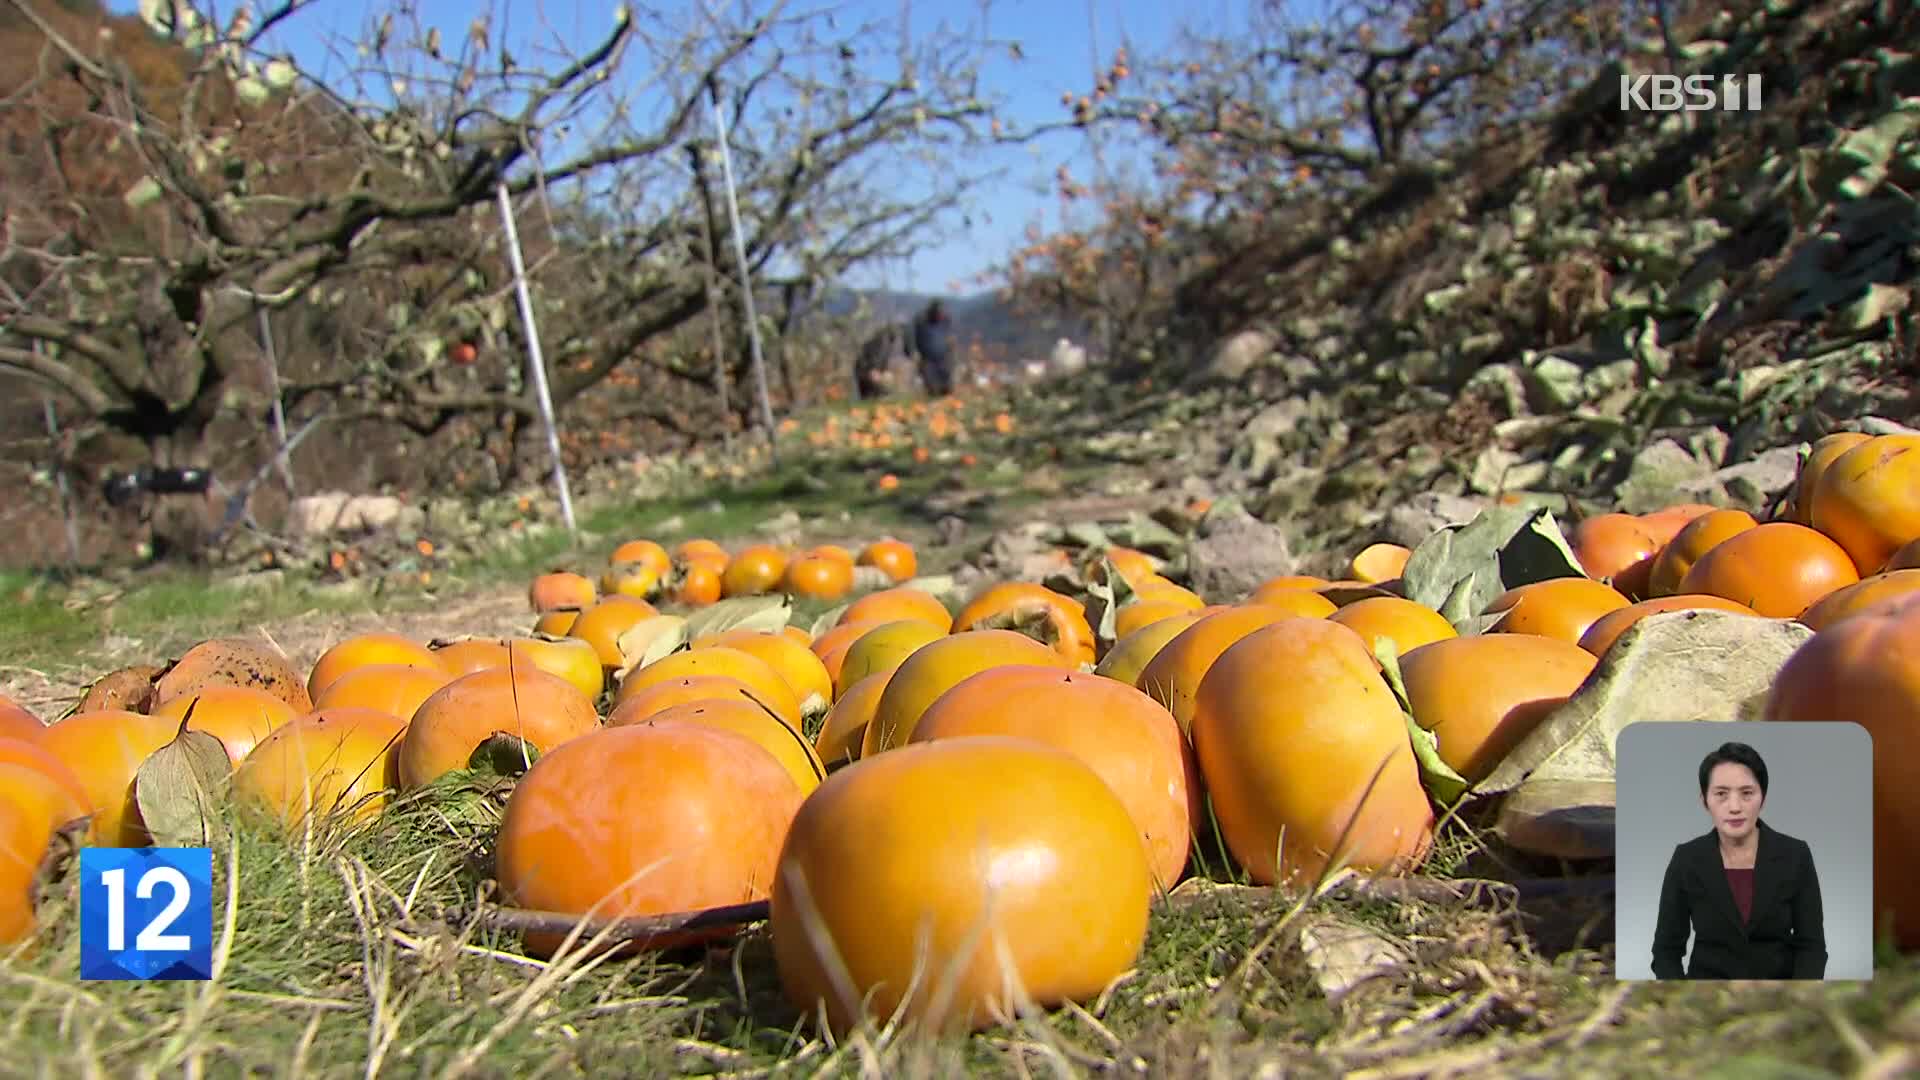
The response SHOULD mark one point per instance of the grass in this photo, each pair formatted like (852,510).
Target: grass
(350,954)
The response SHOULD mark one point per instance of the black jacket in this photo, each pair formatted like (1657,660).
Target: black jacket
(1786,937)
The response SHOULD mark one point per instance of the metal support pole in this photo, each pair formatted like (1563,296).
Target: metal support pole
(536,363)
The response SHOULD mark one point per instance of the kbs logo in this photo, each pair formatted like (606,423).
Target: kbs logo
(1691,93)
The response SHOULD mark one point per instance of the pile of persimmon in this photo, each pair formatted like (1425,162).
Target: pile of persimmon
(919,775)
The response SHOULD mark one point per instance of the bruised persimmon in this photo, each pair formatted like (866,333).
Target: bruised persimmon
(1291,774)
(568,840)
(1122,734)
(1481,694)
(1695,539)
(1608,628)
(646,553)
(1054,618)
(560,589)
(702,551)
(366,650)
(1407,624)
(1777,569)
(938,666)
(899,602)
(772,734)
(895,557)
(1559,608)
(755,569)
(1859,596)
(986,869)
(1868,499)
(105,750)
(234,662)
(1173,676)
(1133,565)
(1866,669)
(330,761)
(768,686)
(536,707)
(397,689)
(640,580)
(239,716)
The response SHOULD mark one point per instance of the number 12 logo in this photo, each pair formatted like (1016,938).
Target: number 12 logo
(146,913)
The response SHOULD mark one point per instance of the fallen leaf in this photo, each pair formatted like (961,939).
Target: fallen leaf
(180,787)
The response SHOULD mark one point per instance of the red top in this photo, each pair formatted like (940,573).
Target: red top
(1741,882)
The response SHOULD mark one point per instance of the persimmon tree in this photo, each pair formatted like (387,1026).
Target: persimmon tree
(169,177)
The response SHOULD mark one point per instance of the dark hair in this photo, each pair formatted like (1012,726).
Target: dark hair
(1734,753)
(936,311)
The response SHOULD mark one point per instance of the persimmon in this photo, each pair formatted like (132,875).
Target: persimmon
(1173,676)
(1612,546)
(984,863)
(540,709)
(1054,618)
(366,650)
(1157,589)
(697,585)
(768,686)
(1859,596)
(1478,717)
(790,659)
(939,666)
(660,696)
(1665,523)
(1694,539)
(1380,562)
(1134,566)
(573,659)
(646,553)
(640,580)
(1307,582)
(772,734)
(28,753)
(1139,614)
(1907,558)
(898,602)
(703,552)
(1407,624)
(756,569)
(1777,569)
(1866,669)
(26,834)
(1868,499)
(1608,628)
(883,648)
(330,761)
(104,750)
(602,624)
(560,589)
(391,688)
(1819,456)
(835,552)
(233,662)
(896,557)
(846,723)
(1559,608)
(1290,773)
(239,716)
(1135,648)
(837,637)
(17,723)
(567,839)
(557,622)
(1302,603)
(468,655)
(819,577)
(1128,738)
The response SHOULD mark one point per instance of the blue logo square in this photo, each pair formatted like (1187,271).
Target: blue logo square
(146,913)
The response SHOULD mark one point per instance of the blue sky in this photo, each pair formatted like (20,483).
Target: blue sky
(1060,40)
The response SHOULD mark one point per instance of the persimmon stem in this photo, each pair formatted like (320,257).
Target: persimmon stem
(630,928)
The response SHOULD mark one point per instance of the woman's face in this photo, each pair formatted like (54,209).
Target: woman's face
(1733,800)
